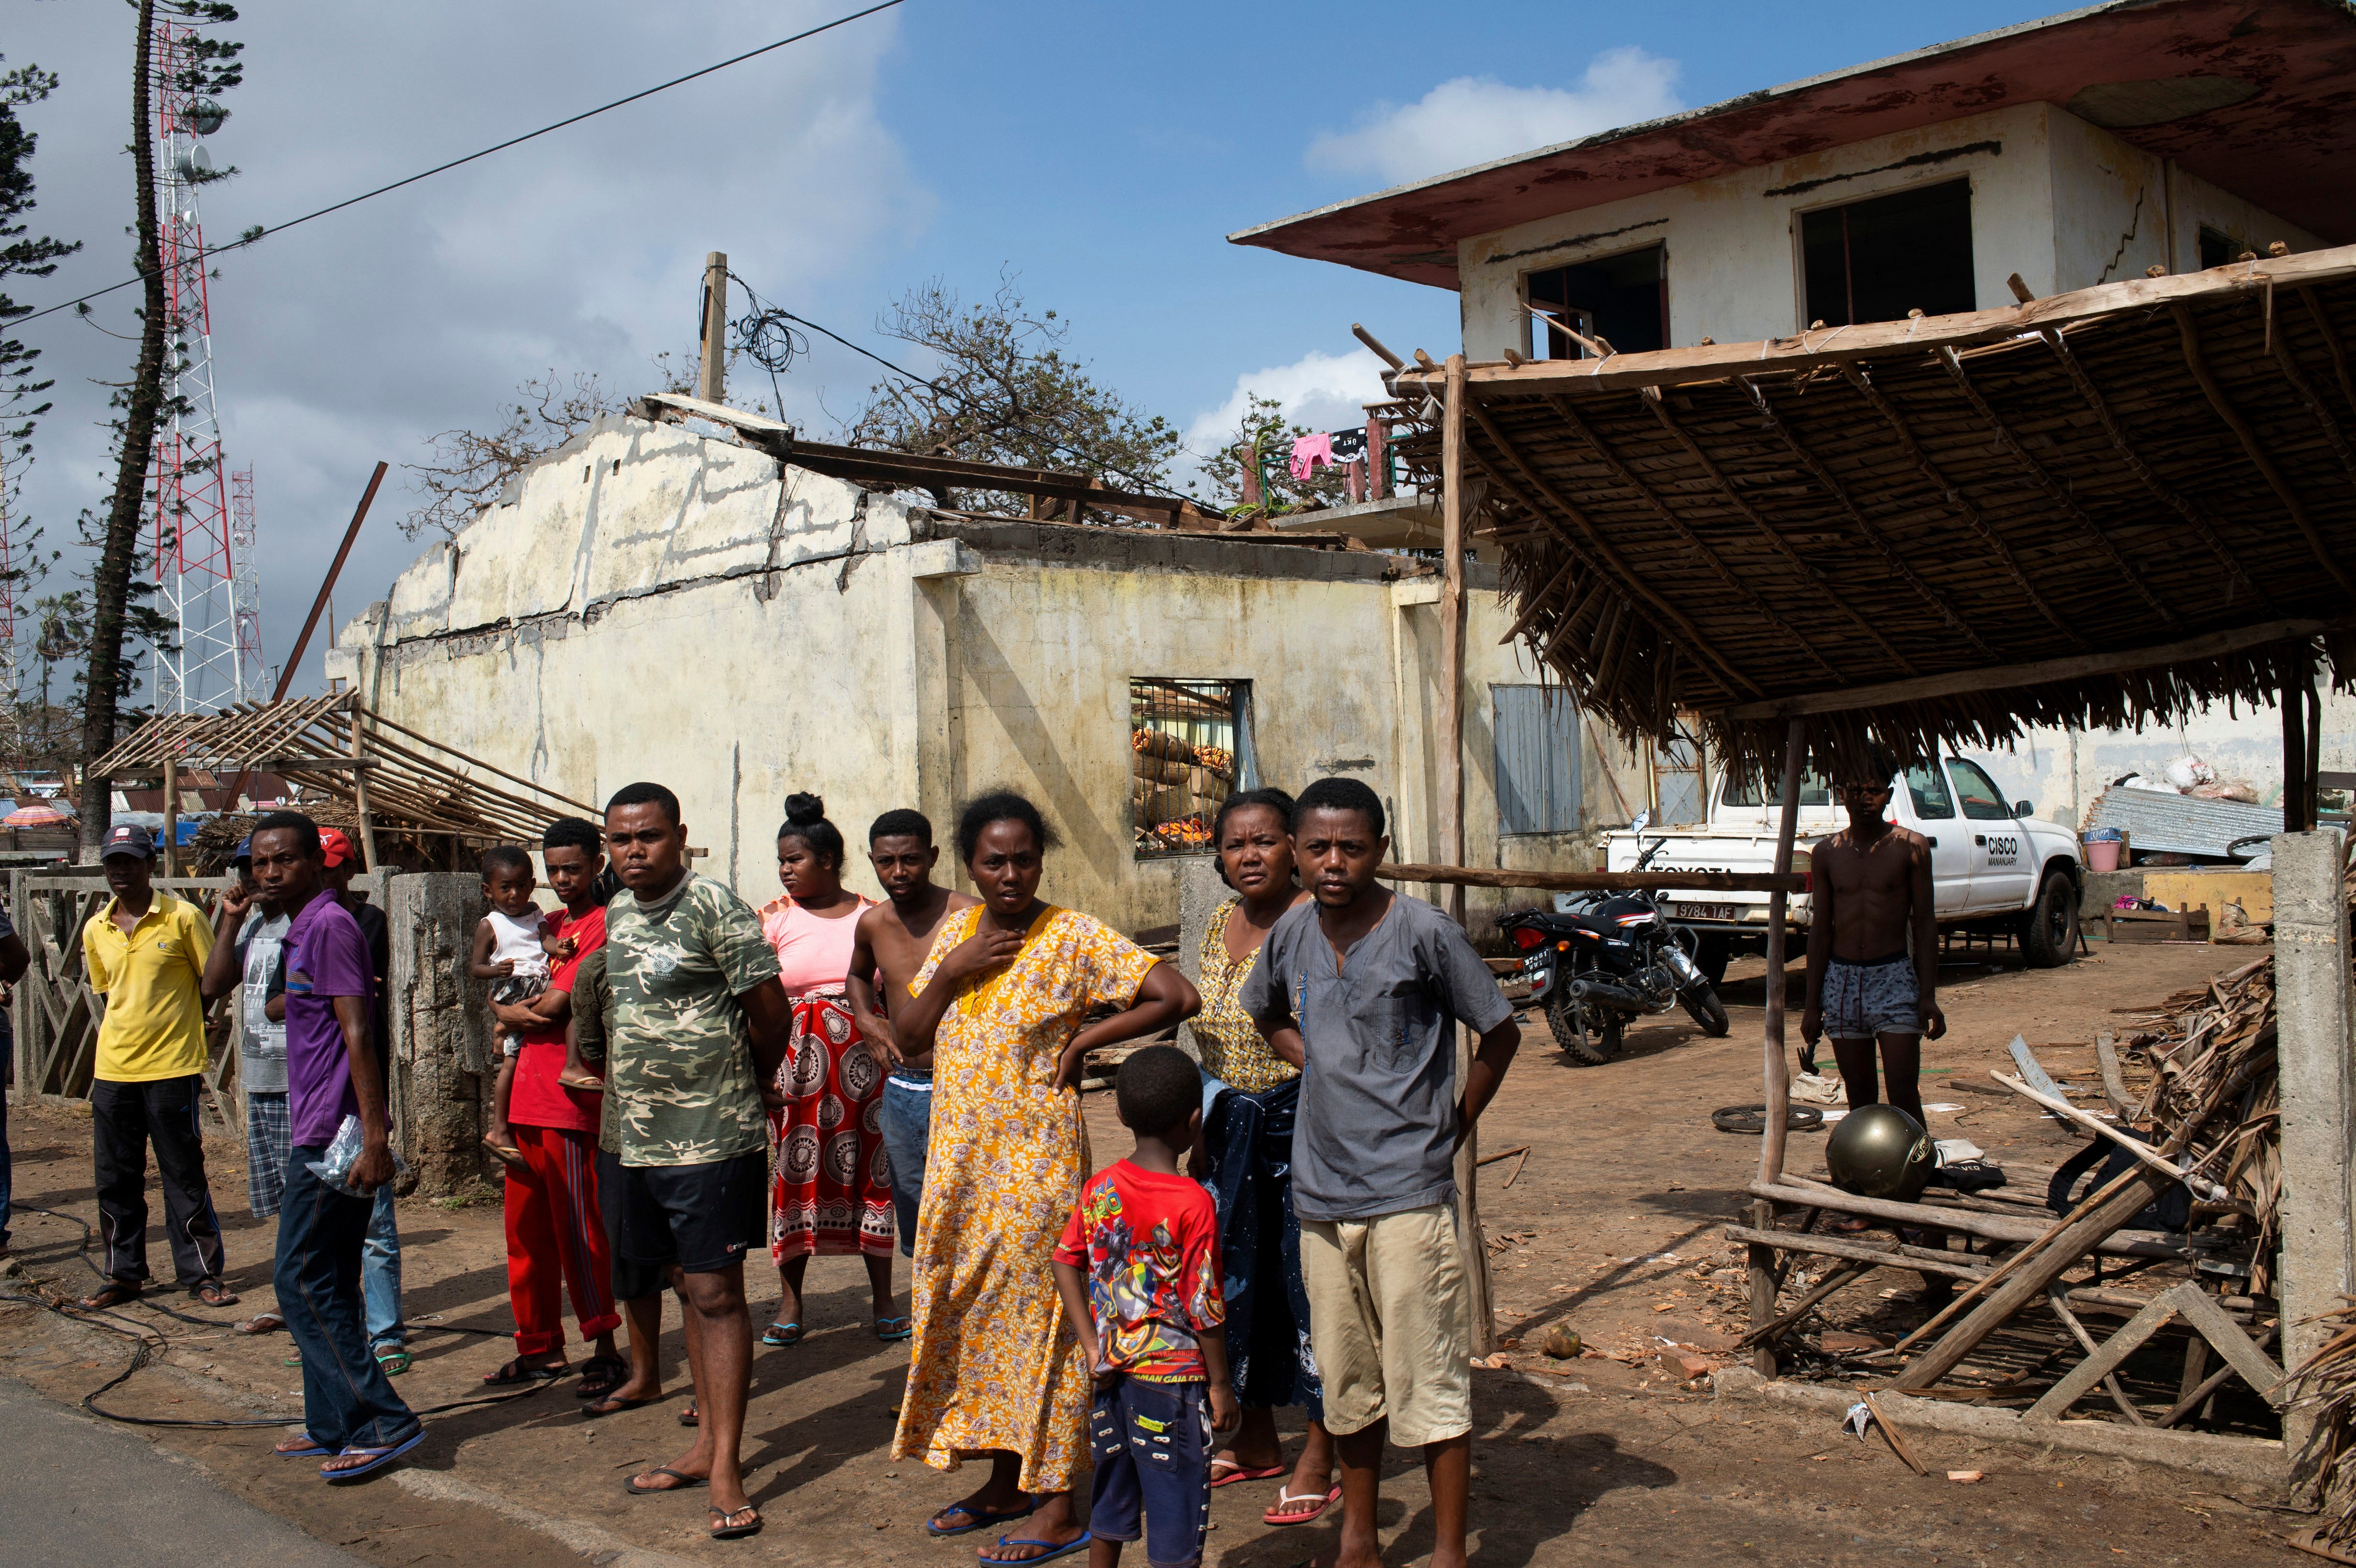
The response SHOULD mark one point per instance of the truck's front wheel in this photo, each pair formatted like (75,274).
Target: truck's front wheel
(2048,938)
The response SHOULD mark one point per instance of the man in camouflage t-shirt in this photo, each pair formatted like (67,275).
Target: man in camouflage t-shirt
(700,1027)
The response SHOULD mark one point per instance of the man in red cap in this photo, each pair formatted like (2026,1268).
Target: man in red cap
(380,1253)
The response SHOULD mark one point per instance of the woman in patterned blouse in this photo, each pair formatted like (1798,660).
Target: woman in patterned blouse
(1247,1154)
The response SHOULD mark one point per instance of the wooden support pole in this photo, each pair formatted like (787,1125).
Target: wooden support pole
(171,812)
(1761,1262)
(361,797)
(1592,881)
(1452,629)
(1778,1084)
(712,376)
(2297,808)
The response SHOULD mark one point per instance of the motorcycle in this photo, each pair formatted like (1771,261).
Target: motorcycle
(1598,960)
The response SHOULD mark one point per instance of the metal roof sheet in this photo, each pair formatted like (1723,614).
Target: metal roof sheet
(2180,824)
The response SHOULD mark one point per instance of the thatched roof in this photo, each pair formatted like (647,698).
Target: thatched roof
(2103,508)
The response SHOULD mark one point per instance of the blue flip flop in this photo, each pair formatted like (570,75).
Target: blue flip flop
(377,1458)
(1078,1543)
(888,1333)
(776,1335)
(982,1520)
(318,1450)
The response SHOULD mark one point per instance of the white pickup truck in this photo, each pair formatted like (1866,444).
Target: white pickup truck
(1994,868)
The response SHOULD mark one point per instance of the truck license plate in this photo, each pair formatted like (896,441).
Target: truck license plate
(1701,911)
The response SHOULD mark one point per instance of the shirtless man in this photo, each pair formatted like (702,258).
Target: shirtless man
(1869,889)
(895,937)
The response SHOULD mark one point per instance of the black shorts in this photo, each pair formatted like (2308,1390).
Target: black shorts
(700,1217)
(631,1280)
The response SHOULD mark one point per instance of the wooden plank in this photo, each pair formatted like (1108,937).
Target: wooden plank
(1595,881)
(1915,339)
(1853,1252)
(2115,1350)
(2073,667)
(2256,1368)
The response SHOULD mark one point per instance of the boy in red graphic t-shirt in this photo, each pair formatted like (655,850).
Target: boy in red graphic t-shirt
(1139,1269)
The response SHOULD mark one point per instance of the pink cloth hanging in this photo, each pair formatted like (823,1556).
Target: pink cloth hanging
(1308,452)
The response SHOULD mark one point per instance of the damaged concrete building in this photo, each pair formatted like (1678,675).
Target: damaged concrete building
(668,601)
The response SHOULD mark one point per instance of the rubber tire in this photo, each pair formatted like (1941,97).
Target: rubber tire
(2049,934)
(1582,1046)
(1707,1011)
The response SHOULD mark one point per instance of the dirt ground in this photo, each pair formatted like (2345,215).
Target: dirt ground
(1610,1227)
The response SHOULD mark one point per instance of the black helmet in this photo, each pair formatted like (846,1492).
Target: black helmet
(1879,1151)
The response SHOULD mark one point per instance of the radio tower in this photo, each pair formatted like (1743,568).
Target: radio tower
(195,567)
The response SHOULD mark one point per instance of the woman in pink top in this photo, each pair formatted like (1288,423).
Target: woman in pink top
(832,1187)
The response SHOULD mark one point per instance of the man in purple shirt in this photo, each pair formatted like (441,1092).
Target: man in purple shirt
(351,1417)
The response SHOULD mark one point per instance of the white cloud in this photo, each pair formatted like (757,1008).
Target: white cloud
(1473,119)
(1320,390)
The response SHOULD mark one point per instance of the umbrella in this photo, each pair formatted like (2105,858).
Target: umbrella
(37,815)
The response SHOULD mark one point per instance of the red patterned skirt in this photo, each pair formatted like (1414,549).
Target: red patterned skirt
(831,1190)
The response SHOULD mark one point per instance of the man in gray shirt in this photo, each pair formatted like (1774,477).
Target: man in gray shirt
(1364,988)
(248,956)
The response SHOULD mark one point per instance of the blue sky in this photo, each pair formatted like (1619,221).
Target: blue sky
(1100,154)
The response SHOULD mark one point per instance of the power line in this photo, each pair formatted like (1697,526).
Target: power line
(243,240)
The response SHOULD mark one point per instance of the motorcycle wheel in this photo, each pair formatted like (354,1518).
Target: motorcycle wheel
(1707,1009)
(1570,1023)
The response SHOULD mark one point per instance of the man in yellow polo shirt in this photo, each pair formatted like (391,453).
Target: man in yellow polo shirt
(145,952)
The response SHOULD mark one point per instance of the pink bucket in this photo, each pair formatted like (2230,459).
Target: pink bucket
(2102,856)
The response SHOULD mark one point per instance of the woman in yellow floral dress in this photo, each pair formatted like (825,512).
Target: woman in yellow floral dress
(994,1372)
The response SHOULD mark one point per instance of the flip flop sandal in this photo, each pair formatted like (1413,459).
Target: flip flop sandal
(606,1407)
(723,1531)
(313,1448)
(1274,1515)
(780,1335)
(515,1372)
(888,1333)
(1244,1473)
(602,1375)
(377,1458)
(982,1518)
(689,1417)
(212,1292)
(687,1483)
(506,1155)
(260,1323)
(394,1360)
(1078,1543)
(114,1293)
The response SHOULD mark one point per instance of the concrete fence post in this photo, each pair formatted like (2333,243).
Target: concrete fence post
(2319,1088)
(440,1034)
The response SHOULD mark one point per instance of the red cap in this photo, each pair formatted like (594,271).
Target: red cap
(334,845)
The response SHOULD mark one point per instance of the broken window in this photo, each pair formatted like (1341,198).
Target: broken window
(1878,259)
(1537,759)
(1623,299)
(1190,747)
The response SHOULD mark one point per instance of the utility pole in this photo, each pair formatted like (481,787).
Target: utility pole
(710,382)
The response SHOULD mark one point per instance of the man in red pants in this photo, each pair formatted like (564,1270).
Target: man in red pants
(556,1234)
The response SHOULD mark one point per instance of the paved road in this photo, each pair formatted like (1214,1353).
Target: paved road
(80,1493)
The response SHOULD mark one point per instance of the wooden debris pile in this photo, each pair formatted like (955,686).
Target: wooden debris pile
(2324,1383)
(2213,1045)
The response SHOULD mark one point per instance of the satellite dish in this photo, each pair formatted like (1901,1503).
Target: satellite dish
(204,116)
(194,163)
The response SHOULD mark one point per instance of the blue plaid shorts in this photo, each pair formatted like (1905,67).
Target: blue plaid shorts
(269,1143)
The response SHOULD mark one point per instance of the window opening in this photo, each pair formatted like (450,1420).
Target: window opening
(1931,802)
(1190,747)
(1878,259)
(1814,791)
(1982,802)
(1679,792)
(1537,730)
(2217,247)
(1623,299)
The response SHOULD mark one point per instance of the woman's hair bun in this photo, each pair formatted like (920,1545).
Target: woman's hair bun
(805,810)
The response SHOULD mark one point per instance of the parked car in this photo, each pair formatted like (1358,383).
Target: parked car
(1994,868)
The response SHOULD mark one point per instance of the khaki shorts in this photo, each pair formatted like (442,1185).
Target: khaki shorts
(1392,1323)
